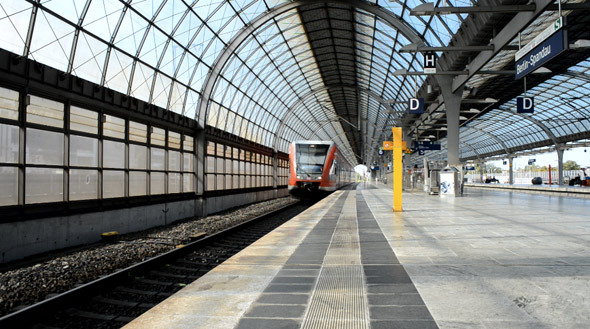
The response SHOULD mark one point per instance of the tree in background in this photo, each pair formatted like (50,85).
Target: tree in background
(571,165)
(532,167)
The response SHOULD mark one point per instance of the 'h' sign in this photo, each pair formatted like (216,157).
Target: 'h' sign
(429,62)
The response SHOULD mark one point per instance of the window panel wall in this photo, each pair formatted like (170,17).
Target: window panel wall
(89,154)
(229,167)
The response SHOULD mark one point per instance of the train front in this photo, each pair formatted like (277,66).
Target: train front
(310,167)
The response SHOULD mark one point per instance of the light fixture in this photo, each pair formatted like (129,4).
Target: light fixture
(462,117)
(580,43)
(474,110)
(542,70)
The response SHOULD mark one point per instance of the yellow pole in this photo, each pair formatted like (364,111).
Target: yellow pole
(397,168)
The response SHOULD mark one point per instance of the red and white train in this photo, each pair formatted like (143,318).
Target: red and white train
(316,169)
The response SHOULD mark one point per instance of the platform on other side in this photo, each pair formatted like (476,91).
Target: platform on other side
(490,259)
(557,190)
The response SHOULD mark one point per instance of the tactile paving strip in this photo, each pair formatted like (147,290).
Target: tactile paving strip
(339,299)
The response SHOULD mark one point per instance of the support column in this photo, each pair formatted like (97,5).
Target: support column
(275,173)
(452,106)
(559,150)
(201,147)
(481,169)
(397,169)
(511,170)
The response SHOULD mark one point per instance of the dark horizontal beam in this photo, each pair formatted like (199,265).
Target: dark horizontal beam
(412,48)
(429,9)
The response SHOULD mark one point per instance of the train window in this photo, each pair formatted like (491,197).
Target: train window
(83,120)
(311,158)
(45,112)
(8,104)
(333,168)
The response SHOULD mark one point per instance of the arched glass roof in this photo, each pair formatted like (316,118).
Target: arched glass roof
(273,71)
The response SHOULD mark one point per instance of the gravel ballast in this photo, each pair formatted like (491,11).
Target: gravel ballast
(31,284)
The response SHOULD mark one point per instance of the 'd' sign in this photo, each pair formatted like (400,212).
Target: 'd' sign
(416,106)
(525,105)
(429,62)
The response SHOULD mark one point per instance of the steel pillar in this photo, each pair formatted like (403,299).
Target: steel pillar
(510,164)
(559,151)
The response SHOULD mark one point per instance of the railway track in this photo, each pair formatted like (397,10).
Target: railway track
(114,300)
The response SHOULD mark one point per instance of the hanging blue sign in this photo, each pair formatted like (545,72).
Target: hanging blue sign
(420,152)
(381,152)
(525,105)
(426,145)
(416,106)
(541,54)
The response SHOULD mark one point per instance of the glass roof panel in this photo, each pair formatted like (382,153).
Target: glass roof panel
(102,17)
(14,23)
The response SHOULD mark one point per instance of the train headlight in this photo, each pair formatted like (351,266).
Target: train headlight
(298,177)
(319,177)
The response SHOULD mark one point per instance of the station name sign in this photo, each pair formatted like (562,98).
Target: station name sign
(544,47)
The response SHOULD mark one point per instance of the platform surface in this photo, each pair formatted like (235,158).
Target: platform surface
(491,259)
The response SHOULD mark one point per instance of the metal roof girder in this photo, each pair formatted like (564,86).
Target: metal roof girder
(494,137)
(536,122)
(237,40)
(504,37)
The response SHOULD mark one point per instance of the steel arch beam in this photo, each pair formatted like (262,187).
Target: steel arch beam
(217,67)
(494,137)
(325,88)
(536,122)
(472,148)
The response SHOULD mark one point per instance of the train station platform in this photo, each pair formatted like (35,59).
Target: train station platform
(491,259)
(557,190)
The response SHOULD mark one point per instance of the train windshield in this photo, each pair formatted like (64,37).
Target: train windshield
(311,158)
